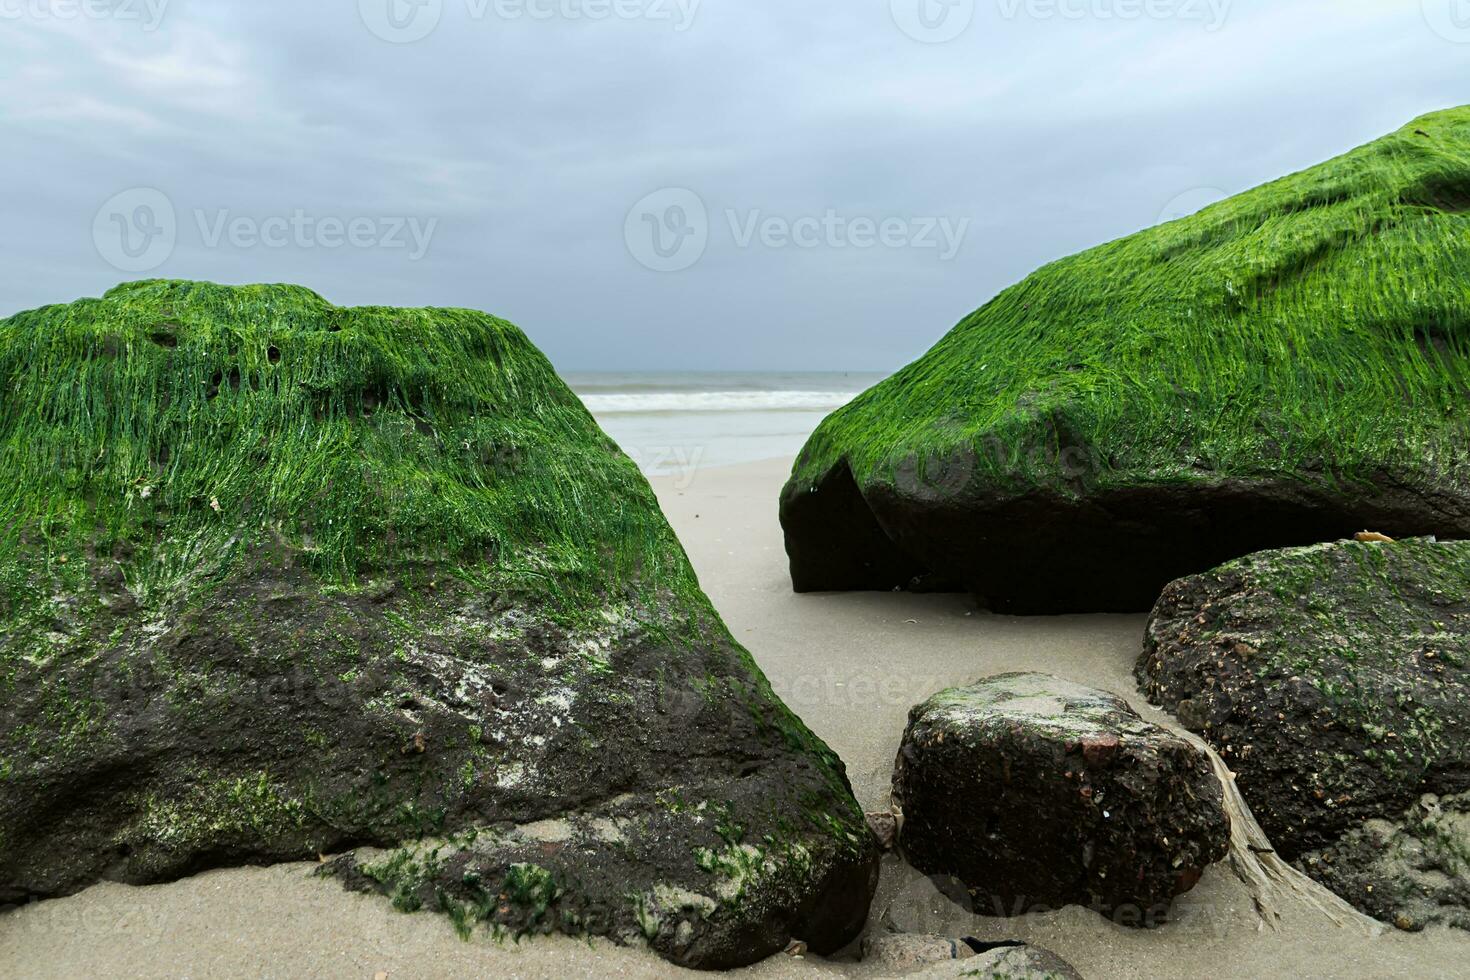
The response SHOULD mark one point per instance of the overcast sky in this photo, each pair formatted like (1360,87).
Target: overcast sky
(688,184)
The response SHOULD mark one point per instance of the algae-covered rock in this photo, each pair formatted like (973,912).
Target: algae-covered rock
(1335,681)
(1038,793)
(280,579)
(1412,871)
(1285,367)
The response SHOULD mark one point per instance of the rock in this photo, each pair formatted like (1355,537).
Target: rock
(884,826)
(1038,793)
(906,951)
(1335,681)
(1020,962)
(1199,391)
(284,579)
(1412,871)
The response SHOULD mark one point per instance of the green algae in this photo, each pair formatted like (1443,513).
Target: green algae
(222,809)
(178,427)
(1316,324)
(188,421)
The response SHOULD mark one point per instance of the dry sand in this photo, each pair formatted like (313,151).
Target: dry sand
(851,666)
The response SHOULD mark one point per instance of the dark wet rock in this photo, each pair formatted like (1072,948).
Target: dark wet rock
(1088,550)
(1335,681)
(391,595)
(1037,793)
(1150,408)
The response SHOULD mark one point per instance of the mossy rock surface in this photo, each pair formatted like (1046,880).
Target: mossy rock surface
(1285,367)
(1412,871)
(280,579)
(1335,681)
(1037,792)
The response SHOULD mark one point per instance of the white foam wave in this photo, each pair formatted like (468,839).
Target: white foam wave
(717,401)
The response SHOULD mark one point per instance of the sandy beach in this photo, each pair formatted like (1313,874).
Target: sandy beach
(851,666)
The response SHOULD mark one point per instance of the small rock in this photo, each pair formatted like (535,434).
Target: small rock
(884,825)
(1021,962)
(909,951)
(1038,793)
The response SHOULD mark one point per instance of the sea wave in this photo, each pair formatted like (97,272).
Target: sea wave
(716,401)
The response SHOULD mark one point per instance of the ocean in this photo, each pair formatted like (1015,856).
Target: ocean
(674,423)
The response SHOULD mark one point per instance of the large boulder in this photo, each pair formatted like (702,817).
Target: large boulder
(1285,367)
(281,579)
(1037,793)
(1335,681)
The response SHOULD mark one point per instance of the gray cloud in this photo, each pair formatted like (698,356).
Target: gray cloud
(1046,125)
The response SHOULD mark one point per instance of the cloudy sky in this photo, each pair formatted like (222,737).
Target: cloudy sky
(688,184)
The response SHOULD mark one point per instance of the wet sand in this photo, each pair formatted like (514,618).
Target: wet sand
(852,666)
